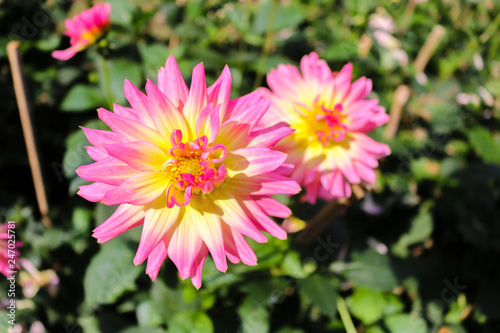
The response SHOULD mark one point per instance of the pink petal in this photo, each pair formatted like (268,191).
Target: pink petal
(248,109)
(110,171)
(286,82)
(166,116)
(184,246)
(343,82)
(312,191)
(314,70)
(124,218)
(197,267)
(158,222)
(155,260)
(233,135)
(254,160)
(197,97)
(347,169)
(359,90)
(208,123)
(267,184)
(140,155)
(340,187)
(219,92)
(139,103)
(237,247)
(171,83)
(69,52)
(96,154)
(273,207)
(209,228)
(234,215)
(140,189)
(262,220)
(99,138)
(366,173)
(371,146)
(125,112)
(269,136)
(94,192)
(129,130)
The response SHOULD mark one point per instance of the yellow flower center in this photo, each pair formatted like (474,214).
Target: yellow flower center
(184,164)
(322,124)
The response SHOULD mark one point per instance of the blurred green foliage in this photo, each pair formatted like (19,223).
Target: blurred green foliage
(418,254)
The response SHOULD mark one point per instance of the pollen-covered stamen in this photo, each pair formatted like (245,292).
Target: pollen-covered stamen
(332,127)
(193,168)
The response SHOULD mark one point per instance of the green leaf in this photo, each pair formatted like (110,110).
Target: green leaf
(121,69)
(393,305)
(4,325)
(484,144)
(75,156)
(110,273)
(81,219)
(288,15)
(371,269)
(190,322)
(493,86)
(138,329)
(421,229)
(154,56)
(374,329)
(268,291)
(121,12)
(405,323)
(147,315)
(254,316)
(321,292)
(341,51)
(292,266)
(290,330)
(168,301)
(82,97)
(90,324)
(367,305)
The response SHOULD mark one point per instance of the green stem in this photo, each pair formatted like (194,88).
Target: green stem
(405,20)
(268,43)
(490,29)
(345,316)
(106,80)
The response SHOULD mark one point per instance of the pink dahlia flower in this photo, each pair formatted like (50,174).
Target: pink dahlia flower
(330,116)
(188,165)
(8,255)
(84,29)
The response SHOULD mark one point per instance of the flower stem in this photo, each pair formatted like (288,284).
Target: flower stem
(345,316)
(268,44)
(106,80)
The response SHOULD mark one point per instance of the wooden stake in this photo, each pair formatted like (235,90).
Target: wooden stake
(326,215)
(401,96)
(427,50)
(24,112)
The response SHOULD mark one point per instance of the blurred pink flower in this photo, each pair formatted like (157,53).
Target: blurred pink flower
(8,255)
(386,40)
(84,29)
(330,116)
(31,279)
(379,21)
(383,26)
(188,165)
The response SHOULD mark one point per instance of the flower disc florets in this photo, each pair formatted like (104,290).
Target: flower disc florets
(194,167)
